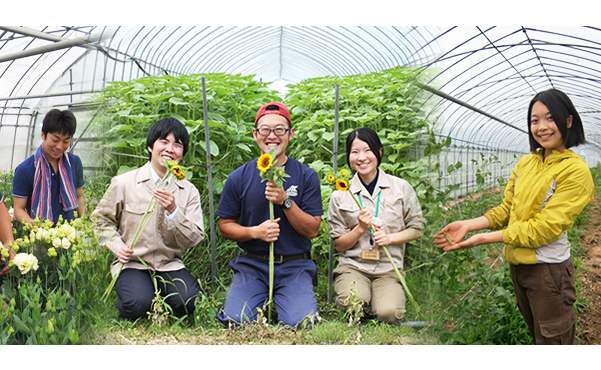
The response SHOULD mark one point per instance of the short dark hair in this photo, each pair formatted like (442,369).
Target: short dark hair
(60,122)
(561,107)
(162,128)
(370,137)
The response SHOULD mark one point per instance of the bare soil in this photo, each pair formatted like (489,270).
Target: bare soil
(589,321)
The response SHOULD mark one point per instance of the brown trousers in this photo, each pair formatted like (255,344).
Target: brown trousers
(383,291)
(545,295)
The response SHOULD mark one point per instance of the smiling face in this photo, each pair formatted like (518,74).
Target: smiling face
(167,148)
(544,130)
(55,145)
(279,143)
(363,160)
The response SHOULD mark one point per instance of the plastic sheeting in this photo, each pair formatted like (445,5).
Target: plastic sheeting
(482,78)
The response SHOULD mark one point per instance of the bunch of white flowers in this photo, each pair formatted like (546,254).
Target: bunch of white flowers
(62,236)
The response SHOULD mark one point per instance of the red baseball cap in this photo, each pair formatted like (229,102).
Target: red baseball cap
(274,107)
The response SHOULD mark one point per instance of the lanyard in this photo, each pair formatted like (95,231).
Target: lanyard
(377,203)
(371,239)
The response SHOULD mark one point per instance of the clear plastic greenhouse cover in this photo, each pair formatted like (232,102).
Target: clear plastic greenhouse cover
(481,78)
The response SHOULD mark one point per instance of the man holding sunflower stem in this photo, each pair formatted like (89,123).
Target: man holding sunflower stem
(157,247)
(244,211)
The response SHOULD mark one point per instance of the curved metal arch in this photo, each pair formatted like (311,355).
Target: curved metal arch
(420,56)
(217,52)
(332,62)
(391,50)
(185,65)
(223,62)
(486,104)
(336,65)
(154,48)
(207,35)
(169,59)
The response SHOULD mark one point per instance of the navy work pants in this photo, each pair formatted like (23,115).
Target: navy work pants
(136,291)
(293,294)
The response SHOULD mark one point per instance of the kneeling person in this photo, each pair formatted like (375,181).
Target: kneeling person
(175,226)
(244,217)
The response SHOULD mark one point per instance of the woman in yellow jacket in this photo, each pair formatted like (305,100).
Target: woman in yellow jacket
(547,190)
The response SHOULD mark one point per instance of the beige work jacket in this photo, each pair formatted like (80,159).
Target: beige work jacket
(120,211)
(399,209)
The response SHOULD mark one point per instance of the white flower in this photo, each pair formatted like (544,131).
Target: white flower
(67,229)
(43,235)
(57,243)
(25,262)
(65,243)
(61,243)
(53,233)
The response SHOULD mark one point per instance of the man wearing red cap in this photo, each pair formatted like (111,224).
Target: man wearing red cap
(244,217)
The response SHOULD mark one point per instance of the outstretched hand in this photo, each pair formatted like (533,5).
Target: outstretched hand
(449,238)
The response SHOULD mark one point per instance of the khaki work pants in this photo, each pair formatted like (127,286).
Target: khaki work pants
(383,291)
(546,294)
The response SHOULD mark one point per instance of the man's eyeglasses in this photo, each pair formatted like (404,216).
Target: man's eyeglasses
(279,131)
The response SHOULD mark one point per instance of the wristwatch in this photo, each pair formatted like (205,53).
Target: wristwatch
(287,204)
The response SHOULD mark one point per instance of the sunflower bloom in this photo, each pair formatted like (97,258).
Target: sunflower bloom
(265,162)
(344,172)
(342,184)
(331,178)
(178,172)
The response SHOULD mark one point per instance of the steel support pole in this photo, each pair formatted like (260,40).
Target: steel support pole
(49,95)
(78,41)
(210,180)
(464,104)
(335,168)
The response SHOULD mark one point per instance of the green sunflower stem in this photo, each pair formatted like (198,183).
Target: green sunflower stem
(271,267)
(400,276)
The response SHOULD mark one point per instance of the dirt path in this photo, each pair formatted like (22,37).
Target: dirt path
(589,322)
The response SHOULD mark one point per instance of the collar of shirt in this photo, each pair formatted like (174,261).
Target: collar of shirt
(155,177)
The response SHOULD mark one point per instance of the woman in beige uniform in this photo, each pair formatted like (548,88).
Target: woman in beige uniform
(389,203)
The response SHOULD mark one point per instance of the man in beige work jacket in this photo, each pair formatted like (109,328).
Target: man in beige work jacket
(176,225)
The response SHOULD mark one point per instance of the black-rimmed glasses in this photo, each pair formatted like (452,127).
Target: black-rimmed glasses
(279,131)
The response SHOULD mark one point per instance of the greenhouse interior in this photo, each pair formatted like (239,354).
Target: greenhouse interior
(450,105)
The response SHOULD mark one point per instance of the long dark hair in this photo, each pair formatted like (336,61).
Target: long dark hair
(561,107)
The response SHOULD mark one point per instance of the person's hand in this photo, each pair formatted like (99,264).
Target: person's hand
(468,243)
(166,199)
(125,254)
(268,231)
(364,218)
(455,232)
(381,238)
(274,193)
(11,256)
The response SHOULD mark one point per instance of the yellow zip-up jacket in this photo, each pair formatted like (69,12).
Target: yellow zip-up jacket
(542,201)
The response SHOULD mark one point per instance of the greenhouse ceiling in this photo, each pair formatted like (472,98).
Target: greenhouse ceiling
(481,79)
